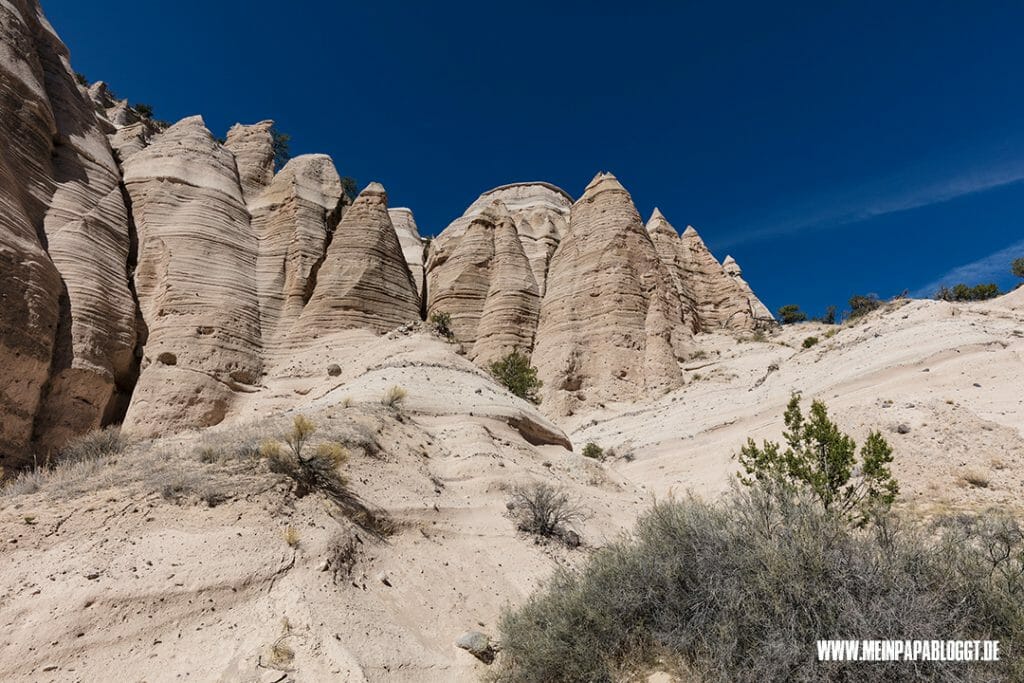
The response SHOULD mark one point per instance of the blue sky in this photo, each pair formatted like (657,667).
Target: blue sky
(831,148)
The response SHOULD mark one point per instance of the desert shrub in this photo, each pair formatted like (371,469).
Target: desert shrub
(99,443)
(442,324)
(516,374)
(144,110)
(822,460)
(281,145)
(791,313)
(830,316)
(1017,267)
(316,471)
(349,186)
(81,79)
(809,342)
(740,589)
(394,397)
(545,511)
(862,304)
(592,450)
(962,292)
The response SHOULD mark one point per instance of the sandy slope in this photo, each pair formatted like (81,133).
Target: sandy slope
(126,570)
(952,373)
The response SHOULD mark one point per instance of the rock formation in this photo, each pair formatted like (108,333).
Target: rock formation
(253,147)
(541,215)
(67,328)
(364,280)
(293,220)
(667,244)
(412,244)
(719,299)
(508,319)
(609,321)
(151,274)
(127,130)
(195,280)
(759,313)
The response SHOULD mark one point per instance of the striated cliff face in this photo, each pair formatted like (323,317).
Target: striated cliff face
(67,328)
(364,280)
(152,275)
(293,220)
(412,244)
(203,322)
(714,296)
(610,319)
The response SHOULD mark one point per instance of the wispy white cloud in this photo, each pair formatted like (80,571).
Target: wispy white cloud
(991,268)
(925,184)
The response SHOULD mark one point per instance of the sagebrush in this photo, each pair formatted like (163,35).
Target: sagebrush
(739,590)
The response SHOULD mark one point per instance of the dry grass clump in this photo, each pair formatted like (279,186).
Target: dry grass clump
(975,479)
(394,397)
(291,537)
(84,464)
(739,590)
(99,443)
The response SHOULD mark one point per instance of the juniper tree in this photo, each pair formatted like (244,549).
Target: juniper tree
(821,459)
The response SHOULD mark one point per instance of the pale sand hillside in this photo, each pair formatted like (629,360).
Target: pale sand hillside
(126,570)
(952,373)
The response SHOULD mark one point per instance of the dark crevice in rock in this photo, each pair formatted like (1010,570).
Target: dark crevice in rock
(331,221)
(125,385)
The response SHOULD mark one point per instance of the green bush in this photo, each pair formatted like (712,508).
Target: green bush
(281,144)
(861,304)
(739,590)
(144,110)
(349,186)
(442,324)
(81,79)
(517,375)
(1017,267)
(592,450)
(316,471)
(962,292)
(791,313)
(810,341)
(822,460)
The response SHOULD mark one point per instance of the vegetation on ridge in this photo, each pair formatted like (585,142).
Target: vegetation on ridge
(740,589)
(517,375)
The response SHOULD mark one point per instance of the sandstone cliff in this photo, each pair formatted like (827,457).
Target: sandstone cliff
(253,147)
(609,321)
(364,280)
(203,326)
(67,329)
(540,212)
(412,244)
(294,220)
(155,275)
